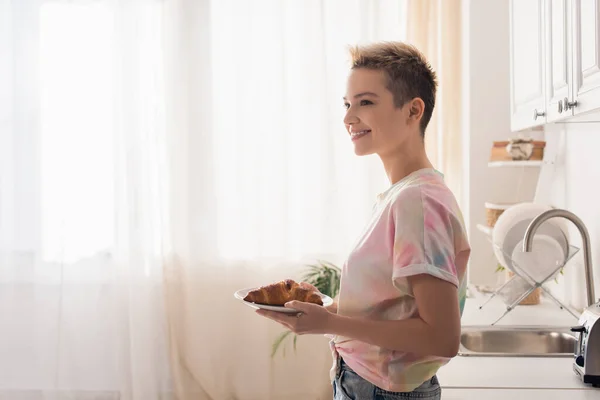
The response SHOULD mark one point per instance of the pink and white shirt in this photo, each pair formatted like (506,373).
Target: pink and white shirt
(416,228)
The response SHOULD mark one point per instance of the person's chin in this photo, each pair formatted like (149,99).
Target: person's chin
(363,151)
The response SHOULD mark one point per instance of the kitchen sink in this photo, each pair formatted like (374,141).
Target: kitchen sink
(516,341)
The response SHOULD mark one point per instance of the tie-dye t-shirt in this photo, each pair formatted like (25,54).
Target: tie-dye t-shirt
(416,228)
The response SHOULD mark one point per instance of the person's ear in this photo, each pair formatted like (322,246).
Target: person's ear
(416,108)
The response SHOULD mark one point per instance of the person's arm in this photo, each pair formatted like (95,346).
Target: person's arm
(333,307)
(429,259)
(435,332)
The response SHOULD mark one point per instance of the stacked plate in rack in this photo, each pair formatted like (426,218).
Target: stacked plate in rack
(550,244)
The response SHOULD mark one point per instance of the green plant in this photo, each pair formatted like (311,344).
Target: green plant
(323,275)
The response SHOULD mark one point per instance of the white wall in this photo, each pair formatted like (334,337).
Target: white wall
(575,186)
(486,118)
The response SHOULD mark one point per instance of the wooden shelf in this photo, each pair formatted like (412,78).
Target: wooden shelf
(497,164)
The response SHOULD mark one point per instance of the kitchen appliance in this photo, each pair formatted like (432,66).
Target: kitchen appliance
(587,348)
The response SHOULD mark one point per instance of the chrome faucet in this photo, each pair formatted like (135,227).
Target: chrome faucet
(585,237)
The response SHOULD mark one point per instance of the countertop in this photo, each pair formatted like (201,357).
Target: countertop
(516,378)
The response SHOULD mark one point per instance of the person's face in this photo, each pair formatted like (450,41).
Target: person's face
(375,124)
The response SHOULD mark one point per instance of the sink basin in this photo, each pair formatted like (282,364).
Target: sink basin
(516,341)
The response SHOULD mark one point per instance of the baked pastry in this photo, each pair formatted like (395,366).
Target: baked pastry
(279,293)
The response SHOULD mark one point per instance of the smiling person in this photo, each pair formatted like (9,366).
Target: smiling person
(403,287)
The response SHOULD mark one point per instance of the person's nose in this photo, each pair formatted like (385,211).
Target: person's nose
(350,118)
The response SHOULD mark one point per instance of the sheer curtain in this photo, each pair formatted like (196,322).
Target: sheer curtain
(434,26)
(83,200)
(156,156)
(273,181)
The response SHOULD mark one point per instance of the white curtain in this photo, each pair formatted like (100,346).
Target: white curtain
(434,26)
(272,182)
(84,189)
(156,156)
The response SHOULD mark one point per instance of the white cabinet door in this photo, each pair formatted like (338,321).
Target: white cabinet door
(586,63)
(558,58)
(527,66)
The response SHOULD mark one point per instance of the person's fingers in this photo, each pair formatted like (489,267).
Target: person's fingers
(277,316)
(299,305)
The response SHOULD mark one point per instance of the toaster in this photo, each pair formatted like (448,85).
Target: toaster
(586,363)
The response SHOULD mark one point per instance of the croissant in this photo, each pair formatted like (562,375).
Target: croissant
(279,293)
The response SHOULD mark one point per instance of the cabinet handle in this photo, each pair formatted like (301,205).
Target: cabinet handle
(569,104)
(537,114)
(560,106)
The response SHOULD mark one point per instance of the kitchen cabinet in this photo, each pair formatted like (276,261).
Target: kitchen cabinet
(558,63)
(554,61)
(527,98)
(517,394)
(586,60)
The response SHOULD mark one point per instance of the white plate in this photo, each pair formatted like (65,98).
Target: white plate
(240,294)
(539,264)
(512,224)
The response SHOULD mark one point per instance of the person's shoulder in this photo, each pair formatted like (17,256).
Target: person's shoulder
(425,187)
(426,193)
(437,192)
(408,192)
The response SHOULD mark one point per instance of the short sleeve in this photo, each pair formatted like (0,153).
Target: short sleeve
(428,234)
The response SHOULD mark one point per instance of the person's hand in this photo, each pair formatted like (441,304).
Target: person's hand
(311,318)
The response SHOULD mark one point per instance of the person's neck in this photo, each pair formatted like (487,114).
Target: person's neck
(405,161)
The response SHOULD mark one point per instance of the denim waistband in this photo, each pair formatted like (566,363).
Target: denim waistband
(342,366)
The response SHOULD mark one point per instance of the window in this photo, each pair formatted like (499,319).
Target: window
(99,84)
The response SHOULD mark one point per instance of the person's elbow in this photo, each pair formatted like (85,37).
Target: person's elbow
(449,344)
(437,302)
(450,350)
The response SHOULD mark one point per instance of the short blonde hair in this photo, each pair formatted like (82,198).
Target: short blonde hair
(408,72)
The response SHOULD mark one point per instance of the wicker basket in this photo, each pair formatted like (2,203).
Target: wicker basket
(533,298)
(499,153)
(493,212)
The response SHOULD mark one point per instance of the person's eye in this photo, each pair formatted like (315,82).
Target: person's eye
(366,102)
(346,106)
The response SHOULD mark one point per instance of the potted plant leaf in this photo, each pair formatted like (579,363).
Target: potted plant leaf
(323,275)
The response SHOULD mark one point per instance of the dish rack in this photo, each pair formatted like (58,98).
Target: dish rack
(523,283)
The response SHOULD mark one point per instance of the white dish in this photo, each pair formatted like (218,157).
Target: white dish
(240,294)
(514,239)
(512,224)
(547,256)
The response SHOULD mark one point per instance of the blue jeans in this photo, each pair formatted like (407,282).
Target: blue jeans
(348,385)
